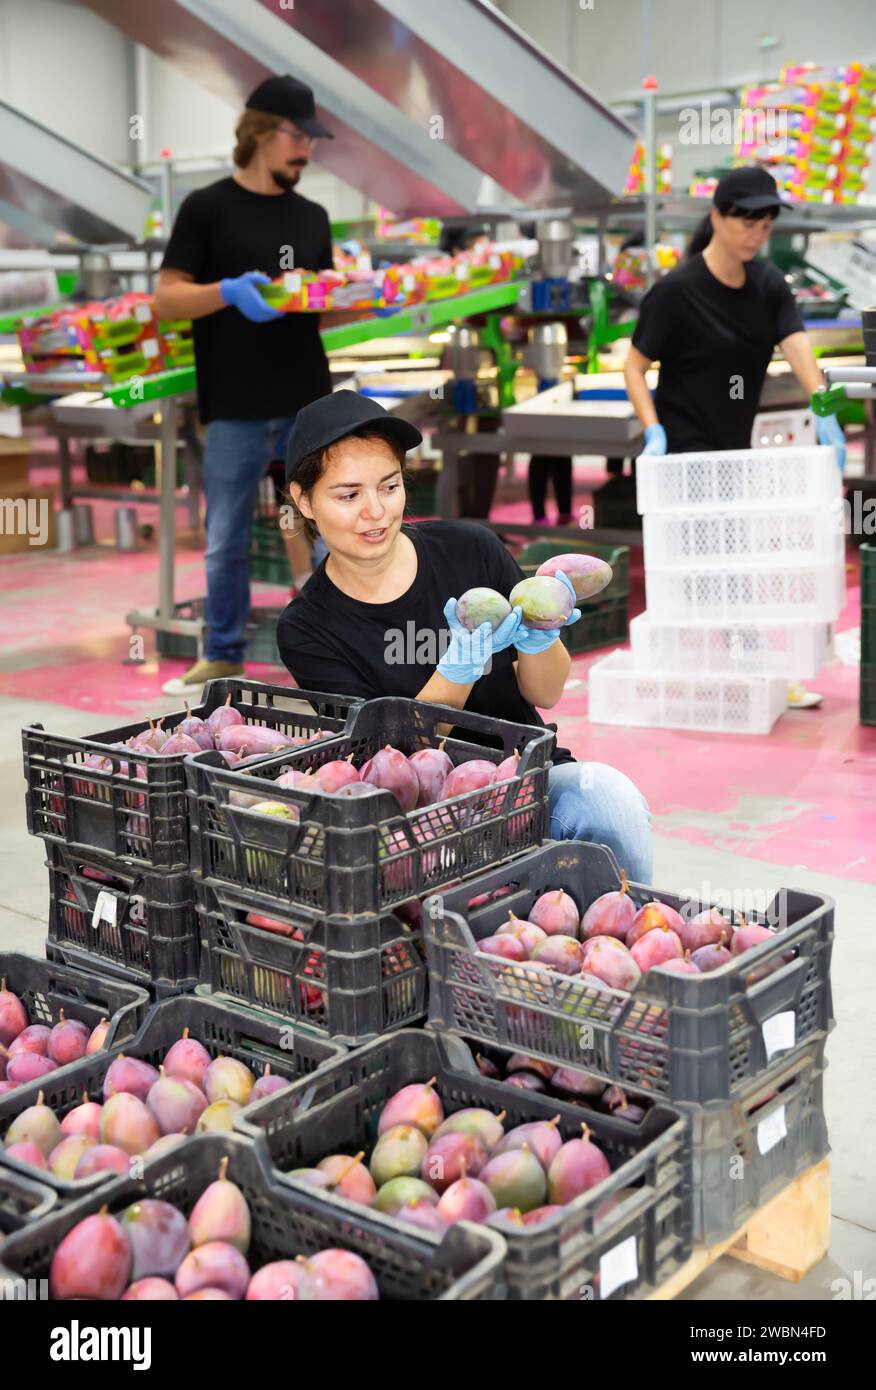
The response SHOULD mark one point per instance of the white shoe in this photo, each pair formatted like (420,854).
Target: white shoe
(801,698)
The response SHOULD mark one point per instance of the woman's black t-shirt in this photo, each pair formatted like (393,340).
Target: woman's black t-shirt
(338,644)
(714,344)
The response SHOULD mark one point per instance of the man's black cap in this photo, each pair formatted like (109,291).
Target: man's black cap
(334,417)
(287,97)
(750,187)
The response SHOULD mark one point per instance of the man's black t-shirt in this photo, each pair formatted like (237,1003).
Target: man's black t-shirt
(714,344)
(338,644)
(252,371)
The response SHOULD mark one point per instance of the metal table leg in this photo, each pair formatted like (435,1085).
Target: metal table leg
(447,492)
(164,620)
(64,462)
(167,508)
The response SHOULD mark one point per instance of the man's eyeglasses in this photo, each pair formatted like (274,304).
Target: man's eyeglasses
(298,136)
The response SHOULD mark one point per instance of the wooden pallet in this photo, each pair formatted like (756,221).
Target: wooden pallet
(786,1236)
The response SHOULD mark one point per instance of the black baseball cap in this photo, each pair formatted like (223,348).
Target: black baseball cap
(751,188)
(336,416)
(286,96)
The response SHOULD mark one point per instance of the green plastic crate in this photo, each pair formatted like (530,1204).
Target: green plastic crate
(868,694)
(602,623)
(605,619)
(268,560)
(618,556)
(868,574)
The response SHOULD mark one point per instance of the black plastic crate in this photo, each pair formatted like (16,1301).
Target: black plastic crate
(45,988)
(868,694)
(350,979)
(286,1222)
(346,857)
(686,1037)
(746,1152)
(146,931)
(118,813)
(22,1201)
(868,635)
(221,1027)
(868,573)
(562,1259)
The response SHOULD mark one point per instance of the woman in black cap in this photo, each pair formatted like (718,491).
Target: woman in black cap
(374,617)
(713,323)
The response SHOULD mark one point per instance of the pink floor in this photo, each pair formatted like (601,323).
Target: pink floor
(803,796)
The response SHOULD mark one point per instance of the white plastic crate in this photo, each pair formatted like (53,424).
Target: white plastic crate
(620,694)
(738,478)
(814,593)
(792,650)
(731,539)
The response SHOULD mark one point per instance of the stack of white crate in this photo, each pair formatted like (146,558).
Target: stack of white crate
(744,577)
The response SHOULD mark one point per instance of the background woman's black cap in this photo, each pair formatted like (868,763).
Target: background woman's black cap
(334,417)
(750,187)
(287,97)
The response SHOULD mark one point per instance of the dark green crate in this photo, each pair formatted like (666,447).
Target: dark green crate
(261,635)
(268,560)
(600,624)
(618,556)
(421,495)
(868,574)
(868,634)
(868,694)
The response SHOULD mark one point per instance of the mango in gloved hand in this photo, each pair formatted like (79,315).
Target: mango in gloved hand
(482,605)
(544,601)
(587,574)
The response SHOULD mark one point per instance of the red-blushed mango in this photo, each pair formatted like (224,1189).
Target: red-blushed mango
(587,574)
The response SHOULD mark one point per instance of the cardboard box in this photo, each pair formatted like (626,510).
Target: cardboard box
(14,463)
(27,521)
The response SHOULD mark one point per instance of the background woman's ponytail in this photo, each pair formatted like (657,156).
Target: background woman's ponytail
(701,237)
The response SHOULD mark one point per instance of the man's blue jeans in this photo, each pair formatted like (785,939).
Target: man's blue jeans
(236,459)
(595,802)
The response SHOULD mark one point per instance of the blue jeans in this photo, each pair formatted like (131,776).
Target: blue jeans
(595,802)
(236,459)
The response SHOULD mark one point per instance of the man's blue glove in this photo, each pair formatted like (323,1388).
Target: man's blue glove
(241,292)
(655,441)
(532,640)
(828,430)
(469,653)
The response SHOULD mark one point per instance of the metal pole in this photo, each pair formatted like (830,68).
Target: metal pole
(649,102)
(167,507)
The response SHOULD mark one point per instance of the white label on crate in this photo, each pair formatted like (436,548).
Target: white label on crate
(149,347)
(143,313)
(409,283)
(292,281)
(495,262)
(104,910)
(779,1033)
(462,272)
(617,1267)
(772,1130)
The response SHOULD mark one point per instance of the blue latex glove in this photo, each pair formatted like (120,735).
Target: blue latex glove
(828,430)
(655,441)
(469,654)
(241,292)
(533,640)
